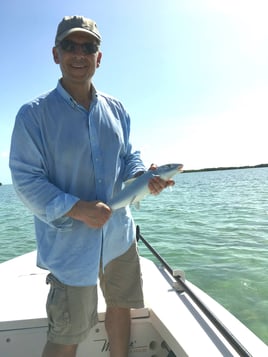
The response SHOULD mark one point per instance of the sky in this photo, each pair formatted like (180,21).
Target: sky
(192,74)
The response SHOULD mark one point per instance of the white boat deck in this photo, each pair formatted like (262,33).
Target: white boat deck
(170,321)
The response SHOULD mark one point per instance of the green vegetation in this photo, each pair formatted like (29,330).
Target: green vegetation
(227,168)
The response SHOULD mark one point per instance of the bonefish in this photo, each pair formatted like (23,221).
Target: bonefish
(136,188)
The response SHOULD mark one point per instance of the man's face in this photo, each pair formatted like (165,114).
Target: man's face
(73,55)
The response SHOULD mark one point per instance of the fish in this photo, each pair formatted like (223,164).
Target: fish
(137,188)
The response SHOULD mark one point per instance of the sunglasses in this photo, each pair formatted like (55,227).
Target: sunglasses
(88,48)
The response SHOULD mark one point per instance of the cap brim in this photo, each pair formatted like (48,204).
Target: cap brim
(76,29)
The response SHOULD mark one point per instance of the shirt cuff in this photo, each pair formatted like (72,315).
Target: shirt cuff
(57,209)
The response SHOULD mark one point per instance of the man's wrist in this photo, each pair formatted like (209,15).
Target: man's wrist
(73,211)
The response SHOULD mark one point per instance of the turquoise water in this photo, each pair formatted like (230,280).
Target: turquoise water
(213,225)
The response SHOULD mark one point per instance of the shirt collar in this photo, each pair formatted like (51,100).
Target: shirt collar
(69,99)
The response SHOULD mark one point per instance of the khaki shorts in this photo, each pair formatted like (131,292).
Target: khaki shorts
(72,310)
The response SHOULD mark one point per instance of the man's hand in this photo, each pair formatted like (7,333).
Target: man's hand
(94,214)
(156,184)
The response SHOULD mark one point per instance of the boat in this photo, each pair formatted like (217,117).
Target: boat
(178,319)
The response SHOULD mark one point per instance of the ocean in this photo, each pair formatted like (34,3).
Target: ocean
(213,225)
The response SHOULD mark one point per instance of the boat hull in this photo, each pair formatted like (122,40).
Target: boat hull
(171,324)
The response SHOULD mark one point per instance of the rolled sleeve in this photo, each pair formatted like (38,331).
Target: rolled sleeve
(134,164)
(56,211)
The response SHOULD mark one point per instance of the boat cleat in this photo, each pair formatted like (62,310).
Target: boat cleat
(179,275)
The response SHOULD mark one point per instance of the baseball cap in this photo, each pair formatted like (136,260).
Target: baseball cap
(70,24)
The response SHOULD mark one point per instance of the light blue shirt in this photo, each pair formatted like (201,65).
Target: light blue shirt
(61,153)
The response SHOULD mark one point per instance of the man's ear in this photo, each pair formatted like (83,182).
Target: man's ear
(55,55)
(99,59)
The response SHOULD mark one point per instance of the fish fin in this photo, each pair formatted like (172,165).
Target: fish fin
(133,200)
(154,175)
(137,205)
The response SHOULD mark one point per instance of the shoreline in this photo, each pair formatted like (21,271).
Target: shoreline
(205,170)
(226,168)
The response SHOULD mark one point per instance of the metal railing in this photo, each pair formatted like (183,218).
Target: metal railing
(232,340)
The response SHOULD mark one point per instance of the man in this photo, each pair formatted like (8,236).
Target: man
(70,153)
